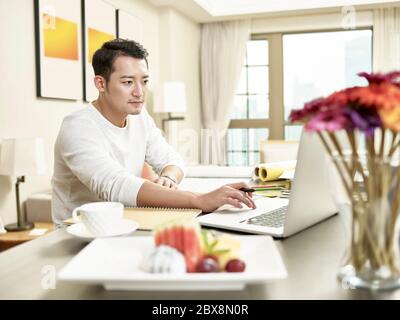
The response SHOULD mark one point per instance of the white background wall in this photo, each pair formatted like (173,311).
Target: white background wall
(181,63)
(22,114)
(310,22)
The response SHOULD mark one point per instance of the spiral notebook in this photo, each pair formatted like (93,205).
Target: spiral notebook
(149,218)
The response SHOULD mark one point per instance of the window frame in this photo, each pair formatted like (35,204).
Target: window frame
(287,123)
(276,123)
(259,123)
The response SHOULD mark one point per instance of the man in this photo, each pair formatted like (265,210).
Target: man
(100,150)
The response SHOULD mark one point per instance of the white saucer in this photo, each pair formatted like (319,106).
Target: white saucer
(79,230)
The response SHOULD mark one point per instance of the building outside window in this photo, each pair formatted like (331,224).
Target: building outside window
(283,71)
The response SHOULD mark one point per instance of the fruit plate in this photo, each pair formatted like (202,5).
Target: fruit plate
(115,264)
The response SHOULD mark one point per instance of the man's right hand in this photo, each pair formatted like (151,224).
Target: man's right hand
(227,194)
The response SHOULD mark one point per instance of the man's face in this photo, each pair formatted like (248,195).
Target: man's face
(126,88)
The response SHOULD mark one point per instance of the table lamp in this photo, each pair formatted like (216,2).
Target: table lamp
(18,158)
(170,97)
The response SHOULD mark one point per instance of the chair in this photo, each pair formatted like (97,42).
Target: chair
(278,150)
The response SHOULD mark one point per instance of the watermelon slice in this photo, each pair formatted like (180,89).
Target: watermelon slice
(193,250)
(183,235)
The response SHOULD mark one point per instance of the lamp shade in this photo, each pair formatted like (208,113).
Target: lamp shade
(170,97)
(20,157)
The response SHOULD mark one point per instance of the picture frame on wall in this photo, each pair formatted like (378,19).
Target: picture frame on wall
(99,25)
(58,46)
(129,26)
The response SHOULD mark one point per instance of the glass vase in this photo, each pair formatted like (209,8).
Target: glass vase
(366,190)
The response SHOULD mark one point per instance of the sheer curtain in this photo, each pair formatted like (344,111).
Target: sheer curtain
(386,51)
(223,48)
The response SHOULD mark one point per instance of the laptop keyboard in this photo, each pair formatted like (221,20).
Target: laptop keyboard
(274,218)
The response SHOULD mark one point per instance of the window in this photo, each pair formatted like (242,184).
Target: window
(301,66)
(243,146)
(316,64)
(251,103)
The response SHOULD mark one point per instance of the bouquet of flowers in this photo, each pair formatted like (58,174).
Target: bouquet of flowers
(370,175)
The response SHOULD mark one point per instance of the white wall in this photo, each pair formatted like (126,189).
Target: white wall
(310,22)
(179,61)
(22,114)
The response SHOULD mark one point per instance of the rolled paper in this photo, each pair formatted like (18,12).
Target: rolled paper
(265,173)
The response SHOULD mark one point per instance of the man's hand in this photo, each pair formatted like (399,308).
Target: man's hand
(166,182)
(227,194)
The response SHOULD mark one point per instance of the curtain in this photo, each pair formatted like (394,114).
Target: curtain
(386,39)
(223,48)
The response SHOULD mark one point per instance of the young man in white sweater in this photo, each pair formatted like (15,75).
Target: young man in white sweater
(100,150)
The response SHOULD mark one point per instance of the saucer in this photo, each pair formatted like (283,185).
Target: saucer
(79,230)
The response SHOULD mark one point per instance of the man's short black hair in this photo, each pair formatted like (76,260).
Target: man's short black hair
(103,59)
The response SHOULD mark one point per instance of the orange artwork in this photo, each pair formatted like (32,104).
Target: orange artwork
(60,38)
(96,39)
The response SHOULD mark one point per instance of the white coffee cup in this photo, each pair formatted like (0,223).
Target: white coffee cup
(100,218)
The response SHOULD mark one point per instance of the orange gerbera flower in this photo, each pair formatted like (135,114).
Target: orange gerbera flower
(384,95)
(391,118)
(376,105)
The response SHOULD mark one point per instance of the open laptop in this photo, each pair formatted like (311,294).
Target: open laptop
(309,201)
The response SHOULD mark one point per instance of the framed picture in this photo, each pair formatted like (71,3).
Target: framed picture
(99,20)
(129,26)
(58,49)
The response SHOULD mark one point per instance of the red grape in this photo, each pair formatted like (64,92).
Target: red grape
(207,264)
(235,265)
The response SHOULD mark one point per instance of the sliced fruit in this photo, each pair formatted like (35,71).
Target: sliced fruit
(170,235)
(157,239)
(235,265)
(207,264)
(223,246)
(199,247)
(183,235)
(179,237)
(164,259)
(193,250)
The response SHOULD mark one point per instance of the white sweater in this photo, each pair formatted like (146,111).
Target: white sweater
(97,161)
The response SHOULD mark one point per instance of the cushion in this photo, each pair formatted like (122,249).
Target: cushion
(38,207)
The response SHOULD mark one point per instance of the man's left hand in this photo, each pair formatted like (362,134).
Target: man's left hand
(166,182)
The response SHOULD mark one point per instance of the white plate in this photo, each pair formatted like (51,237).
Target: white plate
(115,263)
(79,230)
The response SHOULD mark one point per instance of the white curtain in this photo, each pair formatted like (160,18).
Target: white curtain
(386,38)
(223,48)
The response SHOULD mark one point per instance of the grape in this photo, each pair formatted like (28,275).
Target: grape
(207,264)
(211,256)
(235,265)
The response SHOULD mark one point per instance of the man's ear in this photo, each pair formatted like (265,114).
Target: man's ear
(100,83)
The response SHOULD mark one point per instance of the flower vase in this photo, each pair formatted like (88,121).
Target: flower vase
(367,172)
(367,194)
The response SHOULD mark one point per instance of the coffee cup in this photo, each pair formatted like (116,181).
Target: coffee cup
(100,218)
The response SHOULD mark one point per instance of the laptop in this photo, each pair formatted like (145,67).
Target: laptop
(308,203)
